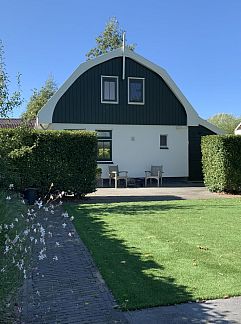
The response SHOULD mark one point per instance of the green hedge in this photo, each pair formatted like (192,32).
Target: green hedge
(221,158)
(32,158)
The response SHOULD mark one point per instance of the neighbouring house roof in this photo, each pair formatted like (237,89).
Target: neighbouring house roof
(193,119)
(14,123)
(237,130)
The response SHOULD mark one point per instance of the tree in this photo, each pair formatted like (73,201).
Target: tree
(8,101)
(227,122)
(110,39)
(39,98)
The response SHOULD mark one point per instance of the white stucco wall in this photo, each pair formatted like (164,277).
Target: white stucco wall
(136,147)
(237,131)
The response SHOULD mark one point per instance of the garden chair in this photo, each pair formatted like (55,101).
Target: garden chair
(114,173)
(155,173)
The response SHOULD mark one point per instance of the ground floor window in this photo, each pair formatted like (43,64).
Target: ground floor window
(104,145)
(163,141)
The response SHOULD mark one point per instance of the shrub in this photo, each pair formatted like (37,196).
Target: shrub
(221,158)
(32,158)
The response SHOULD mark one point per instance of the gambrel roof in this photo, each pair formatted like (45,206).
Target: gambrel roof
(193,119)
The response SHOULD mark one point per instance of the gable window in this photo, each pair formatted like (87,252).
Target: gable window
(136,91)
(104,145)
(163,141)
(109,89)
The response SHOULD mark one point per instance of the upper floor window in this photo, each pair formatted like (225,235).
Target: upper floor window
(136,91)
(109,89)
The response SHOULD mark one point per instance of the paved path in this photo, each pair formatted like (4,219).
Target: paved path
(70,289)
(222,311)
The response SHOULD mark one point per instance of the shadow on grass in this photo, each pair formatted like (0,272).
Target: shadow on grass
(117,199)
(135,279)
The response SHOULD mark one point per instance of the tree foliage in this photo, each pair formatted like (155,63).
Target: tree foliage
(227,122)
(108,40)
(8,101)
(39,98)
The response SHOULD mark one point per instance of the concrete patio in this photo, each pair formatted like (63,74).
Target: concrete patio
(175,191)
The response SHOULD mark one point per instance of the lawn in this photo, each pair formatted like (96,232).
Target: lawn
(161,253)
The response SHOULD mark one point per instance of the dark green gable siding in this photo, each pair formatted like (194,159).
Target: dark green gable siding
(195,156)
(81,103)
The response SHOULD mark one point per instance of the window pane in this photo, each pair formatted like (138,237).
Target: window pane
(106,90)
(109,88)
(136,90)
(107,150)
(104,150)
(163,140)
(103,134)
(112,90)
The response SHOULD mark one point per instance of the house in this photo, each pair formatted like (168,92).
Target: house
(237,130)
(140,115)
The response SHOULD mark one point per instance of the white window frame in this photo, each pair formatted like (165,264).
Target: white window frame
(136,103)
(117,89)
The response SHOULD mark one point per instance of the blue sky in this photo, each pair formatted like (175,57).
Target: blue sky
(198,42)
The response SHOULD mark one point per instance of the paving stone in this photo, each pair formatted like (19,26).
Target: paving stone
(69,290)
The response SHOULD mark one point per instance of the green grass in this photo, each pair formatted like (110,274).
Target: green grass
(160,253)
(11,278)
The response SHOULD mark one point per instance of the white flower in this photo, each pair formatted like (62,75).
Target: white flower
(70,234)
(64,225)
(55,258)
(39,204)
(66,215)
(11,186)
(42,240)
(25,232)
(60,203)
(38,293)
(11,225)
(15,239)
(57,244)
(42,255)
(16,219)
(72,218)
(8,198)
(5,226)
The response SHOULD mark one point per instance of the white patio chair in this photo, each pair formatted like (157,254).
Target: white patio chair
(155,173)
(115,174)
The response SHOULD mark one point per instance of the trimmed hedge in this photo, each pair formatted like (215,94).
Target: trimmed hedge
(221,158)
(33,158)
